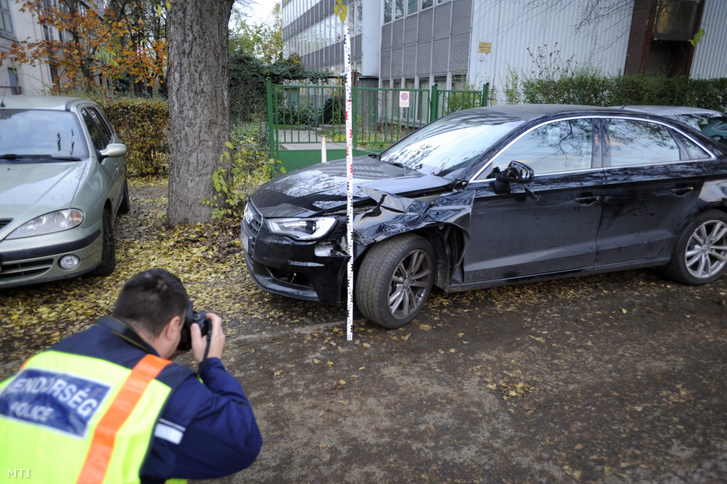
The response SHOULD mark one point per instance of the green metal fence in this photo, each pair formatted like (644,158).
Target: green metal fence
(300,117)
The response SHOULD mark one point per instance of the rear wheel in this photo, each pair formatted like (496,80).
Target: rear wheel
(394,280)
(108,251)
(700,255)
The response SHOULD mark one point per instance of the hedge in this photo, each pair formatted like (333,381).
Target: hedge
(143,125)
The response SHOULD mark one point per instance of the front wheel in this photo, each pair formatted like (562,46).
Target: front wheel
(700,255)
(394,280)
(125,206)
(108,250)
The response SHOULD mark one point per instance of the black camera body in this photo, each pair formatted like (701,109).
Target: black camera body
(193,317)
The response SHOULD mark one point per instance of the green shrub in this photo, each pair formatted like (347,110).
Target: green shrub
(143,125)
(245,166)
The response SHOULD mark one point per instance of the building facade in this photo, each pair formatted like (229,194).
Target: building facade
(458,43)
(17,26)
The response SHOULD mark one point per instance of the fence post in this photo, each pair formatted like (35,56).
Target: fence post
(434,103)
(271,121)
(485,94)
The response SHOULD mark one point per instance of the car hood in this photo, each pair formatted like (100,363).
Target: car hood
(31,189)
(319,188)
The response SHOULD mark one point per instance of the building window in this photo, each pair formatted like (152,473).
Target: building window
(387,11)
(5,23)
(399,8)
(459,82)
(676,19)
(14,81)
(427,3)
(412,7)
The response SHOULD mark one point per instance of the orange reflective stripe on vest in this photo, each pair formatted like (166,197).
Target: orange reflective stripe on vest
(102,445)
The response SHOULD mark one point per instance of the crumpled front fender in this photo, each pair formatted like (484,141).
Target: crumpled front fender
(394,214)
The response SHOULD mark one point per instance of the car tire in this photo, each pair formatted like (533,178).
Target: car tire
(700,255)
(394,280)
(125,206)
(108,251)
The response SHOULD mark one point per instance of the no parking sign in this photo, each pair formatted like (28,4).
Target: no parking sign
(404,99)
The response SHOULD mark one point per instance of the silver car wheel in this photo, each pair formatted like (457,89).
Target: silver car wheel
(706,251)
(410,284)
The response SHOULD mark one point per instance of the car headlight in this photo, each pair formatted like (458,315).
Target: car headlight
(302,228)
(49,223)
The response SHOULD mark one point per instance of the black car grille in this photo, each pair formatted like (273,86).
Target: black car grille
(4,222)
(253,223)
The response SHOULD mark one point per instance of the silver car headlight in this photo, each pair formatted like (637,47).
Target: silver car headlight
(302,228)
(49,223)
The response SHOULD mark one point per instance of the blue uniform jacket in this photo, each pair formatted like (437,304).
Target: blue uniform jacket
(206,430)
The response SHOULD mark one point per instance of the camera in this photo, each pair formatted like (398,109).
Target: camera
(193,317)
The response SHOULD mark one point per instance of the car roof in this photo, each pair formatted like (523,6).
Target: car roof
(59,103)
(673,110)
(526,112)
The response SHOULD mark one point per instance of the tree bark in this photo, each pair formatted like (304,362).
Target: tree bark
(199,121)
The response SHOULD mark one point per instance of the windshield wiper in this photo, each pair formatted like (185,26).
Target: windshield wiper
(13,156)
(66,158)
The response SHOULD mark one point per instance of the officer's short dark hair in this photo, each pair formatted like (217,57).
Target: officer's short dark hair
(150,299)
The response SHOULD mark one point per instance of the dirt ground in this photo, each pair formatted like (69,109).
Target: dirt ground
(615,378)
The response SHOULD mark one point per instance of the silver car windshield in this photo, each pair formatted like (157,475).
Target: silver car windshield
(40,134)
(448,145)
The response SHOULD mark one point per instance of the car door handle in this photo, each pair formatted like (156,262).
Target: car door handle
(681,191)
(588,199)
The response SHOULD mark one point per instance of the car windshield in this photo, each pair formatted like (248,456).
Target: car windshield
(450,144)
(35,134)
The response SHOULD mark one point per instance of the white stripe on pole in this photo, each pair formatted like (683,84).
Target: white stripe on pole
(349,178)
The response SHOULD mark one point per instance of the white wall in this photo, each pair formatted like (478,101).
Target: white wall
(710,55)
(514,26)
(371,29)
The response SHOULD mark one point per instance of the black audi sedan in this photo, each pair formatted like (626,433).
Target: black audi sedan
(496,196)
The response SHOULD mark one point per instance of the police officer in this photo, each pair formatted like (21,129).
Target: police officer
(107,405)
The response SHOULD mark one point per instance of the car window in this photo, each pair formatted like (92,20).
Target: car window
(102,124)
(40,132)
(633,142)
(99,138)
(555,147)
(450,144)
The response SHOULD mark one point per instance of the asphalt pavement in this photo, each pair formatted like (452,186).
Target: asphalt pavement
(615,378)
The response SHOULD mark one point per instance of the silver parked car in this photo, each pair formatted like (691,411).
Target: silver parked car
(62,182)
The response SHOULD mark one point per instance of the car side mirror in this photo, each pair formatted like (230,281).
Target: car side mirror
(113,150)
(516,172)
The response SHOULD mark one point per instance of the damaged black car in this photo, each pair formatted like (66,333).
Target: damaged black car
(496,196)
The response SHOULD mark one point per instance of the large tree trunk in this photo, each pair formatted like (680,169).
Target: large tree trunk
(199,121)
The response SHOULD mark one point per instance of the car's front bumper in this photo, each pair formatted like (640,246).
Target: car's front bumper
(34,260)
(311,270)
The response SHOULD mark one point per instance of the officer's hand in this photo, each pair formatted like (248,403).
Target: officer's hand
(217,339)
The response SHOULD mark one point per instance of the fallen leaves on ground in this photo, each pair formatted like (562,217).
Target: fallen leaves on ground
(35,317)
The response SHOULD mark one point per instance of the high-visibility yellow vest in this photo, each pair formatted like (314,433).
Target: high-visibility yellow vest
(67,418)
